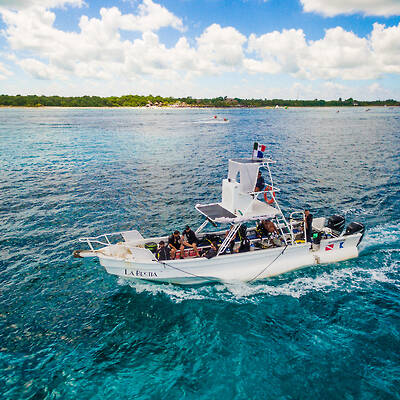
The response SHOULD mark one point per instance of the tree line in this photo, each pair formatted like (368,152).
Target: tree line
(142,101)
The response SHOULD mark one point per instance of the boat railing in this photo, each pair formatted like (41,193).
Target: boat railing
(274,189)
(103,239)
(270,189)
(300,221)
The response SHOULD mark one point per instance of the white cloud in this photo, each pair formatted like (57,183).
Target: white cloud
(377,91)
(24,4)
(279,51)
(339,54)
(4,72)
(222,47)
(31,30)
(331,8)
(334,90)
(330,91)
(98,51)
(385,43)
(151,17)
(262,67)
(40,70)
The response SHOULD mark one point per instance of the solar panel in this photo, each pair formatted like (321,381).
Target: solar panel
(214,211)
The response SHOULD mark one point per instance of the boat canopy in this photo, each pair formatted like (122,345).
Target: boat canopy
(239,201)
(217,213)
(214,211)
(244,171)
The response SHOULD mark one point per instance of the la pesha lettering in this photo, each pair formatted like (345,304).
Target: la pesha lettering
(141,274)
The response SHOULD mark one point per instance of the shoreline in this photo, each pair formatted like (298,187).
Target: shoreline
(199,107)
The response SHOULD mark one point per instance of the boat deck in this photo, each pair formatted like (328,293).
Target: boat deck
(256,243)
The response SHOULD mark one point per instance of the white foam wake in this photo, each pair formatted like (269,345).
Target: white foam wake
(387,235)
(343,279)
(212,121)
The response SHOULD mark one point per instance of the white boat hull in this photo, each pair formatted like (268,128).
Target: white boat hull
(249,266)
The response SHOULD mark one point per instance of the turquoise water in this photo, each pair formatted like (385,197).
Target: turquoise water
(68,330)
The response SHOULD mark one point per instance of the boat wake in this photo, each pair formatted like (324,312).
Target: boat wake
(345,279)
(381,237)
(353,212)
(379,262)
(213,121)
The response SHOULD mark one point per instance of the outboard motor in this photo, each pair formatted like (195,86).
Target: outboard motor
(355,227)
(336,223)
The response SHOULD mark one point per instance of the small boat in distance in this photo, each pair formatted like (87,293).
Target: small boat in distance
(243,251)
(213,120)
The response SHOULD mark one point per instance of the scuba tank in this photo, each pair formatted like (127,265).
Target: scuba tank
(244,241)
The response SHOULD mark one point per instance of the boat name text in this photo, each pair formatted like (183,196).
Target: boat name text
(141,274)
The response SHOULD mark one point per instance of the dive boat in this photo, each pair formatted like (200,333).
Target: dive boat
(129,255)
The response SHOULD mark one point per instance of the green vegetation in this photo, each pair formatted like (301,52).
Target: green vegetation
(141,101)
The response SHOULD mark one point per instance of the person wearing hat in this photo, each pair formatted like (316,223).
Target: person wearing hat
(189,239)
(163,252)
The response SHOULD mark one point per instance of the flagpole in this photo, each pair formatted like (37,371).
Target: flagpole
(254,147)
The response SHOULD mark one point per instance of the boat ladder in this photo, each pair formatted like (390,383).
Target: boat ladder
(282,224)
(231,234)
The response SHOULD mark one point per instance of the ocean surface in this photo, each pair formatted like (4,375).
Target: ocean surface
(68,330)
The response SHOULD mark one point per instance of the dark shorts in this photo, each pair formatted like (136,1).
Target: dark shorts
(177,247)
(187,247)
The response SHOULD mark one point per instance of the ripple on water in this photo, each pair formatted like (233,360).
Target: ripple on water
(68,330)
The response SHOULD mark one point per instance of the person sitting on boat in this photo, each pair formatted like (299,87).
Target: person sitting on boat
(261,229)
(163,252)
(266,229)
(175,244)
(260,184)
(212,252)
(189,239)
(308,223)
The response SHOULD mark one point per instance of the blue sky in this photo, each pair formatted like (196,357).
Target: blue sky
(202,48)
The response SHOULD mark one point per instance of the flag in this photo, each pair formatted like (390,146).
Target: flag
(329,247)
(258,150)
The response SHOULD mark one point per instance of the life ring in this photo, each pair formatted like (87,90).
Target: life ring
(267,200)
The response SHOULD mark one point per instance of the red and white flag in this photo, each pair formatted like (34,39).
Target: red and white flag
(258,150)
